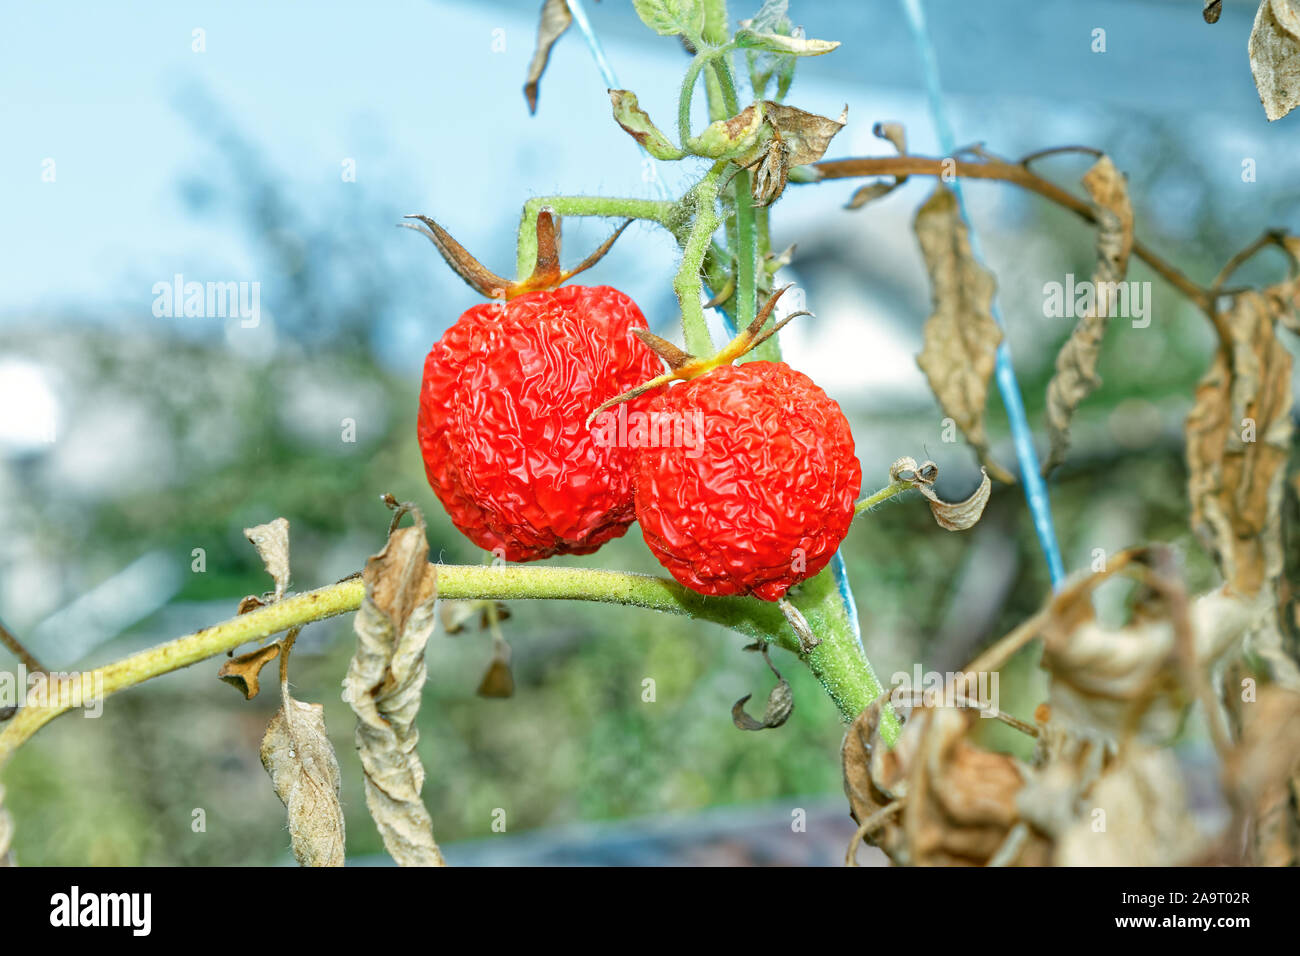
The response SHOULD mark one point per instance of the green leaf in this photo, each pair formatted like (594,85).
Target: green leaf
(777,43)
(639,126)
(672,17)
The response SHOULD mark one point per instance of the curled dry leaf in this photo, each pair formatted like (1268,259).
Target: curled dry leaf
(298,755)
(272,543)
(383,686)
(1109,683)
(788,137)
(961,336)
(1275,56)
(1076,364)
(1238,437)
(780,700)
(555,19)
(960,800)
(951,516)
(243,672)
(636,123)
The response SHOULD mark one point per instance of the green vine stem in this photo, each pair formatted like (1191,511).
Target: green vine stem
(837,662)
(703,200)
(666,214)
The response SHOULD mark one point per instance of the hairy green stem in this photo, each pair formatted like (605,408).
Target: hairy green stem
(839,664)
(660,211)
(703,199)
(884,494)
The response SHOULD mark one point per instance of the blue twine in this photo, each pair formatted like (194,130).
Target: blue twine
(1040,507)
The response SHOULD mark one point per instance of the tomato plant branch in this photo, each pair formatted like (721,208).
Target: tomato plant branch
(1020,175)
(840,666)
(659,211)
(702,199)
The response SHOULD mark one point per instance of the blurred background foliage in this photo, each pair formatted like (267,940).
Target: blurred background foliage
(171,435)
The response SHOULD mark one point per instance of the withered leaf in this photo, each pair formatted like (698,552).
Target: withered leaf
(732,136)
(383,686)
(298,755)
(780,701)
(498,681)
(242,672)
(961,335)
(1265,770)
(637,123)
(951,516)
(782,43)
(1147,818)
(780,704)
(1274,50)
(1212,10)
(1238,436)
(1112,682)
(272,543)
(1076,364)
(555,19)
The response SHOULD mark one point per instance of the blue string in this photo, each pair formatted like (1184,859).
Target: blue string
(1040,507)
(607,74)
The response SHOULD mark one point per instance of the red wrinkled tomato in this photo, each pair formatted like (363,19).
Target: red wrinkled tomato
(505,396)
(764,497)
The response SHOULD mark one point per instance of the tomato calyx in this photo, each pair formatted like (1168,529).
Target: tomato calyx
(684,366)
(546,275)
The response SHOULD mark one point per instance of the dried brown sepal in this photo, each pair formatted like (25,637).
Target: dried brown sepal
(383,686)
(1076,364)
(250,603)
(799,624)
(1274,50)
(298,756)
(243,672)
(555,19)
(961,335)
(685,366)
(546,274)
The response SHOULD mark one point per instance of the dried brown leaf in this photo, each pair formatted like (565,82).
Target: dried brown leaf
(555,19)
(1137,814)
(952,516)
(1108,683)
(1275,56)
(1265,770)
(1238,437)
(808,135)
(298,755)
(961,336)
(498,680)
(896,136)
(780,700)
(243,672)
(1076,364)
(383,686)
(272,543)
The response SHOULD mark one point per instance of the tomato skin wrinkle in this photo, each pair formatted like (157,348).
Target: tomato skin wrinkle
(767,499)
(505,395)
